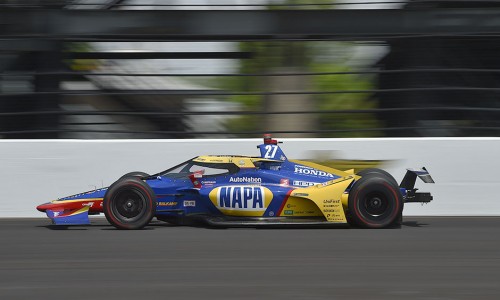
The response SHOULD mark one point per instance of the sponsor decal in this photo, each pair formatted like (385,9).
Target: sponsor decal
(303,183)
(89,204)
(245,179)
(168,203)
(285,182)
(208,182)
(331,202)
(241,197)
(275,168)
(271,213)
(299,207)
(189,203)
(249,200)
(311,171)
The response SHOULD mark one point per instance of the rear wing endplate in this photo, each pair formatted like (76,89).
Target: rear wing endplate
(411,175)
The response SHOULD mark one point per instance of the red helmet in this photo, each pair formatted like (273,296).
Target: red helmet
(269,140)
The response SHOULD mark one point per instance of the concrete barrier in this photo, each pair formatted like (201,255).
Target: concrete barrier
(36,171)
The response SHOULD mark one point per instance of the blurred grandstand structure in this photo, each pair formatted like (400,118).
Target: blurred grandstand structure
(186,69)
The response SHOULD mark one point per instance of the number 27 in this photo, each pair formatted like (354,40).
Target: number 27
(270,151)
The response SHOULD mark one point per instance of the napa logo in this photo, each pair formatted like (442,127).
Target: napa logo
(241,200)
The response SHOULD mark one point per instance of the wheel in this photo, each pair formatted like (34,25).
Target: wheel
(381,172)
(378,171)
(136,174)
(129,203)
(375,202)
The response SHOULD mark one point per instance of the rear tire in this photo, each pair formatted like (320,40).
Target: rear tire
(379,172)
(129,203)
(375,202)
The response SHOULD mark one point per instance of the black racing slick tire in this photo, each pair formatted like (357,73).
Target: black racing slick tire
(129,203)
(379,172)
(137,174)
(375,202)
(386,174)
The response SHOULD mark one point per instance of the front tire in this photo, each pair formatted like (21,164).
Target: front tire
(137,174)
(129,203)
(375,202)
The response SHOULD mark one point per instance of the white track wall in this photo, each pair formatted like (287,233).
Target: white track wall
(36,171)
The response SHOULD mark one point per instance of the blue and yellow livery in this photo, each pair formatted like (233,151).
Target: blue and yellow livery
(231,190)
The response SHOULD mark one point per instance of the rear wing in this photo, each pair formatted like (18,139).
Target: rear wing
(408,183)
(411,175)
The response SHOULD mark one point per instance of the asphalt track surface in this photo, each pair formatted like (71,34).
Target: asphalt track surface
(427,258)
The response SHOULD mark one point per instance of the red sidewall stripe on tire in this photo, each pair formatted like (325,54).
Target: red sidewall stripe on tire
(358,214)
(112,216)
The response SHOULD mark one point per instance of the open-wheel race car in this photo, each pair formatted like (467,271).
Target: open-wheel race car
(232,190)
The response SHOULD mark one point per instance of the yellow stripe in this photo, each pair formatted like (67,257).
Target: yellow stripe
(76,200)
(81,210)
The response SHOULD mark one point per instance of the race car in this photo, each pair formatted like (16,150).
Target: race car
(234,191)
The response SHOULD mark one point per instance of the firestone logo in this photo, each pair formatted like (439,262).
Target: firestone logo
(310,171)
(245,179)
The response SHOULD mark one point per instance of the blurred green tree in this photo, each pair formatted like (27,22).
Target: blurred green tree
(304,56)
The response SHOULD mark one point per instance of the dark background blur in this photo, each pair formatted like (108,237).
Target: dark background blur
(207,68)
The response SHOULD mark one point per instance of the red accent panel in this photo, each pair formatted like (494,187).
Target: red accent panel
(283,203)
(73,205)
(195,179)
